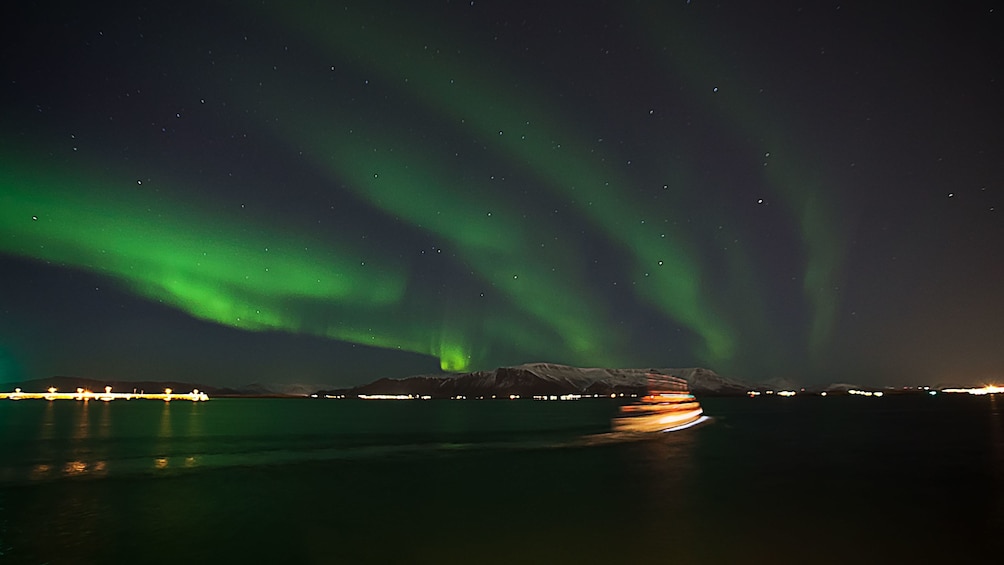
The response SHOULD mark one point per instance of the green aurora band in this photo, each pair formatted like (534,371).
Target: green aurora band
(218,269)
(789,172)
(244,273)
(465,91)
(535,264)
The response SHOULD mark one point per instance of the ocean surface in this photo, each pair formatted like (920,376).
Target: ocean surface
(769,480)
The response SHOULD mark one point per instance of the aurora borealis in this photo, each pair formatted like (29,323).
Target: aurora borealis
(330,192)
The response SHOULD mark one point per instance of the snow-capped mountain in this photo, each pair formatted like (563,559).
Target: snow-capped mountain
(545,379)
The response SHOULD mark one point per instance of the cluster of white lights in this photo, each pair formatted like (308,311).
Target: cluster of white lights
(865,392)
(392,397)
(464,397)
(107,396)
(753,393)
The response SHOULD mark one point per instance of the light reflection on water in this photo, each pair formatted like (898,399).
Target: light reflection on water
(306,482)
(40,472)
(73,439)
(47,430)
(52,440)
(996,425)
(163,436)
(101,471)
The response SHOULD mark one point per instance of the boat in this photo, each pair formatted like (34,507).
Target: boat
(668,406)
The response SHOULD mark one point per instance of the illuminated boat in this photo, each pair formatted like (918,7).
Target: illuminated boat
(667,407)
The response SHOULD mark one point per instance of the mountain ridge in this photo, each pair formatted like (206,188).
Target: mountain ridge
(534,379)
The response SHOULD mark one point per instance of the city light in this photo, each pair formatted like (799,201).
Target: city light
(83,394)
(392,397)
(988,389)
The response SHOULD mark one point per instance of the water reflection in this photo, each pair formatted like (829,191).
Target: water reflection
(104,427)
(46,434)
(164,435)
(84,439)
(996,416)
(80,468)
(56,440)
(40,472)
(80,444)
(545,497)
(60,441)
(46,431)
(82,429)
(996,423)
(168,440)
(667,472)
(196,429)
(195,419)
(74,468)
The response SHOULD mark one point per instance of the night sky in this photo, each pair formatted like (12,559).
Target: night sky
(330,192)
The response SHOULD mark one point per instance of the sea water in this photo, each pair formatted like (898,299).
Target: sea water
(769,480)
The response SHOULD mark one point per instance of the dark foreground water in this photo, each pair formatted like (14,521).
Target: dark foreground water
(770,480)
